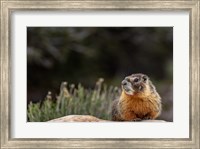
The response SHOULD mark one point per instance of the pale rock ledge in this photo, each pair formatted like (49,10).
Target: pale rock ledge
(89,118)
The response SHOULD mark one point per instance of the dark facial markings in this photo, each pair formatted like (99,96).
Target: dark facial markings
(136,80)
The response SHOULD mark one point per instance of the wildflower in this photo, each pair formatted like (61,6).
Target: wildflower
(49,97)
(64,90)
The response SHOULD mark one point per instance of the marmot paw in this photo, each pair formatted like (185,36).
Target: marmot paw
(137,119)
(147,118)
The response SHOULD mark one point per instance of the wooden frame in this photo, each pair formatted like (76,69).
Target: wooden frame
(7,7)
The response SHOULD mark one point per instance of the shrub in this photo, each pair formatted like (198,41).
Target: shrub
(76,101)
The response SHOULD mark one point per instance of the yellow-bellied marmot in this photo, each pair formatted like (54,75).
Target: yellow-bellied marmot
(139,100)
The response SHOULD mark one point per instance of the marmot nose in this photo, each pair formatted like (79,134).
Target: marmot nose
(124,82)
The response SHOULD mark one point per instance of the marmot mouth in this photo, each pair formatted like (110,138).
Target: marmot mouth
(138,87)
(128,89)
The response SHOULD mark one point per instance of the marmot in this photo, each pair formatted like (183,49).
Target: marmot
(139,100)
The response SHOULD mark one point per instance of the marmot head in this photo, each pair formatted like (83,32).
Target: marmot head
(137,84)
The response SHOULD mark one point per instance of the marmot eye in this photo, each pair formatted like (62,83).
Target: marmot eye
(136,80)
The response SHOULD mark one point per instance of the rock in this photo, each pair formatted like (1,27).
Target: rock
(89,118)
(77,118)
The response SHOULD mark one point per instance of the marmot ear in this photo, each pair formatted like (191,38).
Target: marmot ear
(144,78)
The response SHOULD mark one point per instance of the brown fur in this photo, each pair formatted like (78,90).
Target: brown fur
(142,105)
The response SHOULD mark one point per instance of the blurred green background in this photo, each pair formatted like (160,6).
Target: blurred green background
(84,54)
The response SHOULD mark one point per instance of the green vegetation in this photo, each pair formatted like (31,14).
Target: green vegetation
(72,100)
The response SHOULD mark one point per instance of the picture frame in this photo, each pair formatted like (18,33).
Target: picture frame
(8,7)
